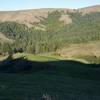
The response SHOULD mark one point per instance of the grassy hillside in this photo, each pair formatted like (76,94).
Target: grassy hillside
(55,34)
(91,48)
(48,77)
(55,56)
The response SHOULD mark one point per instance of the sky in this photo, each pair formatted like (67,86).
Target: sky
(7,5)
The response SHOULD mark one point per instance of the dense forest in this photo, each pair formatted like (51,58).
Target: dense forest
(52,35)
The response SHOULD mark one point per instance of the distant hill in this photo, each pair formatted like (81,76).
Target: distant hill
(30,16)
(48,30)
(91,9)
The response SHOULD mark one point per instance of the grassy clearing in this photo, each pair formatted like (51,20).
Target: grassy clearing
(84,52)
(36,57)
(90,48)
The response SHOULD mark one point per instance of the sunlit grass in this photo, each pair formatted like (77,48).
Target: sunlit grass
(33,57)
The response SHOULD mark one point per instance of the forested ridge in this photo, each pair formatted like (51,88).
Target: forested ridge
(53,33)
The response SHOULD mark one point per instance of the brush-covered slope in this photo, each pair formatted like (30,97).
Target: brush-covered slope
(4,39)
(51,29)
(91,9)
(29,17)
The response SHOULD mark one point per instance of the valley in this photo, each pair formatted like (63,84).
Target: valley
(50,54)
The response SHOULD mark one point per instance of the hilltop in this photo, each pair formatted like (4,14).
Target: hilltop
(30,16)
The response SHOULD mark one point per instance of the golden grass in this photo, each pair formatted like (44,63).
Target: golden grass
(91,48)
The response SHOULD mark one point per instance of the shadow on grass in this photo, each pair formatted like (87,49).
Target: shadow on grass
(61,67)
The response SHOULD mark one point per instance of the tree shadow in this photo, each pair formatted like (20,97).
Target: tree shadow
(60,67)
(22,65)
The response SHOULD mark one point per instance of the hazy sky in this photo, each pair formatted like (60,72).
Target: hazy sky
(30,4)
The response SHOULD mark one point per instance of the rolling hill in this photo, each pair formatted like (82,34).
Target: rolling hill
(50,54)
(30,16)
(46,30)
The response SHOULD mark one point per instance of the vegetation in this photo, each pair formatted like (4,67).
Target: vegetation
(43,77)
(55,33)
(28,73)
(89,58)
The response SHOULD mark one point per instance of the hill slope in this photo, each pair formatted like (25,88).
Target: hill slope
(27,77)
(4,39)
(51,29)
(91,9)
(30,16)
